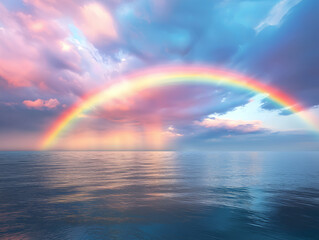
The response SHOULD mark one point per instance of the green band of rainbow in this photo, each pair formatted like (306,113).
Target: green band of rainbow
(169,75)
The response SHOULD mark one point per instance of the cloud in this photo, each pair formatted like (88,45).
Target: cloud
(54,59)
(34,43)
(276,14)
(40,104)
(171,132)
(232,125)
(20,119)
(97,23)
(171,104)
(287,57)
(161,32)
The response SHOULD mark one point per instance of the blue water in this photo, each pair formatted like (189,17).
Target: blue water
(159,195)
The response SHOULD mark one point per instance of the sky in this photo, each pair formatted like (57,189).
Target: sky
(54,53)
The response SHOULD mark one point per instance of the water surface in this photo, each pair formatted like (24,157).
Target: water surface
(159,195)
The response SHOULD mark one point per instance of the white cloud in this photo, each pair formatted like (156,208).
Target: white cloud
(270,119)
(276,14)
(230,124)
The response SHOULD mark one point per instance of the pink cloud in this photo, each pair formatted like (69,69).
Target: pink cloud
(37,49)
(30,49)
(237,125)
(52,8)
(92,18)
(173,105)
(96,22)
(40,104)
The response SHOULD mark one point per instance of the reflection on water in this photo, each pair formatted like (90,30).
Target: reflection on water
(159,195)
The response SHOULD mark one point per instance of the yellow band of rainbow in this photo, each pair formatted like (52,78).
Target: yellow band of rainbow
(169,75)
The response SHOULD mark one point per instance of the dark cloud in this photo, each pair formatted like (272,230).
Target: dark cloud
(60,62)
(15,117)
(287,55)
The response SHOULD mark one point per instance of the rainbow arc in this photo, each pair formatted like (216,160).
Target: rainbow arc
(165,76)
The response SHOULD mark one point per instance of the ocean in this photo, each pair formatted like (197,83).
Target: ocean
(159,195)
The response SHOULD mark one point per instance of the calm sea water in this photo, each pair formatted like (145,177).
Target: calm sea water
(159,195)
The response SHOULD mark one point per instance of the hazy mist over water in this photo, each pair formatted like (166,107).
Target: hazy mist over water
(159,195)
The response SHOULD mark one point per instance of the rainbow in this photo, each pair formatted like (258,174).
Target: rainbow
(164,76)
